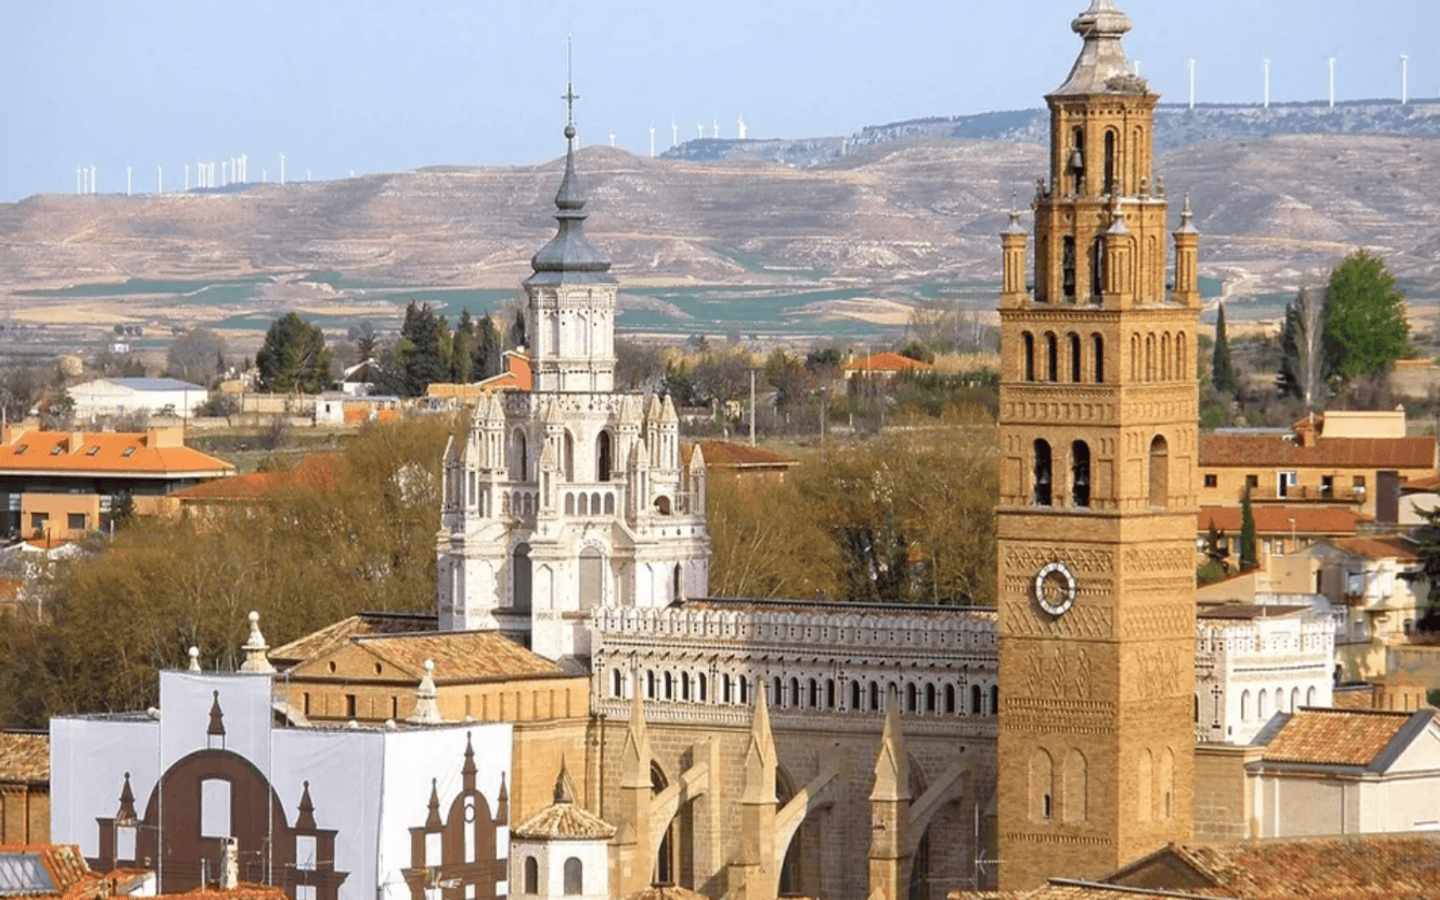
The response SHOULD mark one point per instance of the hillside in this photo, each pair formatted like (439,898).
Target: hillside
(1272,211)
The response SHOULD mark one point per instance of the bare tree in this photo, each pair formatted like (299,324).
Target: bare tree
(196,356)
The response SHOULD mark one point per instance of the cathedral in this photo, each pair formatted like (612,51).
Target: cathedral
(589,722)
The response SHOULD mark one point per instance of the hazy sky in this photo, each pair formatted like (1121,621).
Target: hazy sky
(371,86)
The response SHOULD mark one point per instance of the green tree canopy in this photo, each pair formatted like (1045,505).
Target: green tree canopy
(1248,559)
(294,357)
(1364,321)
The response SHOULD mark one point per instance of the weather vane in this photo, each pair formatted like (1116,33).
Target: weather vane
(569,96)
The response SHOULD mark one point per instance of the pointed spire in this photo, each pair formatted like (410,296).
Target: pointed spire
(667,411)
(216,727)
(760,753)
(1187,226)
(256,650)
(427,699)
(432,818)
(564,784)
(892,766)
(306,820)
(569,252)
(467,771)
(502,803)
(126,814)
(635,757)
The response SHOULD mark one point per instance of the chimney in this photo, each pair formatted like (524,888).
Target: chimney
(229,864)
(76,443)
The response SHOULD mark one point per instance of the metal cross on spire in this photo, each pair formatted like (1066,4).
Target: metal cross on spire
(569,96)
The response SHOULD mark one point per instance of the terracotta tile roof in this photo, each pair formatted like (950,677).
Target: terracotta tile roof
(565,821)
(24,757)
(1420,485)
(1356,697)
(886,362)
(1379,548)
(242,891)
(1342,453)
(136,455)
(336,634)
(1271,519)
(1339,737)
(320,470)
(1364,867)
(742,456)
(55,870)
(458,655)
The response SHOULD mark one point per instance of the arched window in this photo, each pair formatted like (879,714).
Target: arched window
(1180,372)
(1028,363)
(744,690)
(1145,783)
(702,684)
(592,578)
(796,698)
(1080,474)
(725,688)
(1097,268)
(1159,473)
(574,877)
(676,583)
(1076,162)
(602,456)
(1075,360)
(994,699)
(532,875)
(930,698)
(874,697)
(854,695)
(1165,373)
(1067,268)
(1042,786)
(521,462)
(1110,186)
(615,683)
(912,698)
(649,684)
(1077,779)
(669,681)
(776,697)
(684,679)
(1310,696)
(1262,705)
(520,578)
(567,453)
(1149,357)
(813,701)
(1099,343)
(1052,358)
(950,699)
(1196,717)
(1041,493)
(570,503)
(1245,706)
(974,699)
(1134,357)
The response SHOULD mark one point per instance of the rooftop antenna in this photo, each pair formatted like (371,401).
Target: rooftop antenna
(1331,60)
(652,141)
(740,123)
(1190,64)
(1404,79)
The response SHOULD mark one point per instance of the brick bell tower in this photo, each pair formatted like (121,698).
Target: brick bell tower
(1097,499)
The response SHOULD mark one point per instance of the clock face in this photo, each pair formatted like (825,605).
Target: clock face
(1055,588)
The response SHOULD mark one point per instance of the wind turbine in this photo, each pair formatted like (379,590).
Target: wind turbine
(1404,79)
(282,169)
(1331,60)
(674,133)
(740,123)
(127,181)
(700,129)
(612,139)
(159,180)
(652,141)
(716,126)
(1265,66)
(1190,64)
(78,187)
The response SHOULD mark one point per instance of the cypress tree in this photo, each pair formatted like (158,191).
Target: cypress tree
(1222,371)
(1248,559)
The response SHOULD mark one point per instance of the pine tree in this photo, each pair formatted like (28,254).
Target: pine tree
(1222,371)
(1428,537)
(486,355)
(1248,559)
(517,330)
(424,364)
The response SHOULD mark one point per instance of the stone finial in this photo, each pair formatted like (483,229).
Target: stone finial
(760,758)
(427,699)
(194,659)
(564,784)
(892,765)
(1187,225)
(256,650)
